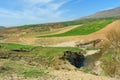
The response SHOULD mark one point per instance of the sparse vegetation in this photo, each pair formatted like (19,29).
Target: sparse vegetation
(110,66)
(29,64)
(22,68)
(111,56)
(10,46)
(114,38)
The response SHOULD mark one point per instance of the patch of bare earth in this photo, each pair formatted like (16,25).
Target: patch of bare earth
(16,36)
(70,40)
(62,41)
(76,75)
(59,31)
(62,75)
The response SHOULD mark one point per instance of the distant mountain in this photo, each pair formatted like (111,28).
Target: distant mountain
(2,27)
(106,14)
(111,13)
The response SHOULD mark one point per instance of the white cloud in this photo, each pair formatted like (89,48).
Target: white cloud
(37,11)
(37,1)
(7,13)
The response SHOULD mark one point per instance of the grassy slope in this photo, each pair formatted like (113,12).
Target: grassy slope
(10,46)
(66,23)
(111,64)
(62,24)
(46,51)
(47,26)
(85,29)
(28,64)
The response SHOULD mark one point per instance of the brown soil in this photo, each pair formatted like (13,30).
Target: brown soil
(59,41)
(96,35)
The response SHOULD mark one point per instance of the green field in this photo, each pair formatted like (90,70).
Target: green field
(10,46)
(87,28)
(45,51)
(28,64)
(37,53)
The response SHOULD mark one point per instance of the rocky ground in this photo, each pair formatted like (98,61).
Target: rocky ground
(63,75)
(77,75)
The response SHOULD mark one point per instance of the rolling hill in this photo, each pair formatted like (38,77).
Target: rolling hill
(71,40)
(37,50)
(85,29)
(63,41)
(2,27)
(103,15)
(69,31)
(111,13)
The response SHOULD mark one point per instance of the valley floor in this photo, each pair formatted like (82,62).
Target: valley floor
(77,75)
(64,75)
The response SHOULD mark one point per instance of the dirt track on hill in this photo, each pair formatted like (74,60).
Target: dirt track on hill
(59,31)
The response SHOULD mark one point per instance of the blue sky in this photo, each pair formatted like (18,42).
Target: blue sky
(21,12)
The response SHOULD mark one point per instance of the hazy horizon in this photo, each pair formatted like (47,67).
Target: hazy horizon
(22,12)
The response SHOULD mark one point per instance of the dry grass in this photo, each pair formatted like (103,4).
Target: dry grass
(32,40)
